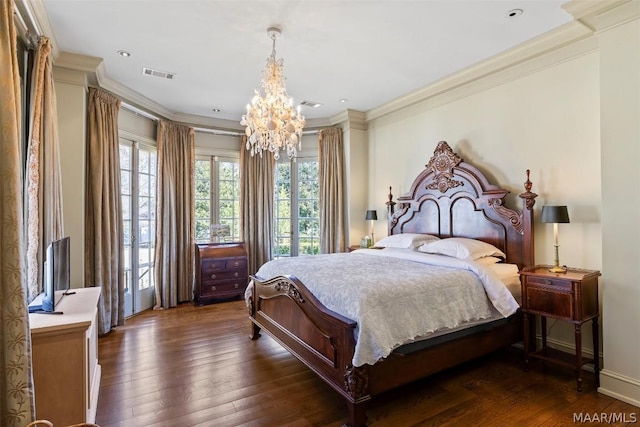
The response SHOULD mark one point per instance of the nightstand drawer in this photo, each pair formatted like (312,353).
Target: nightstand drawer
(544,281)
(551,301)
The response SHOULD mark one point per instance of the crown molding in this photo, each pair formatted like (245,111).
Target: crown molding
(586,11)
(527,57)
(69,76)
(356,119)
(612,18)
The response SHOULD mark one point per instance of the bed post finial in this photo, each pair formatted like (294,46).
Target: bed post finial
(528,197)
(528,200)
(390,204)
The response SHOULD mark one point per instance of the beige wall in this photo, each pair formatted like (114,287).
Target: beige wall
(71,98)
(620,160)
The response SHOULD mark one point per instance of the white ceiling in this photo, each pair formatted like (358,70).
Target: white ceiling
(369,52)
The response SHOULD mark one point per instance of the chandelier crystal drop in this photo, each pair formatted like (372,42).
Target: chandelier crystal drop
(272,124)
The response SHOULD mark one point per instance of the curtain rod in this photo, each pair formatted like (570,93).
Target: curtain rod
(150,116)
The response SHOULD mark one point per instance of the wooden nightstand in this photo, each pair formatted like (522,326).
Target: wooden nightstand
(570,296)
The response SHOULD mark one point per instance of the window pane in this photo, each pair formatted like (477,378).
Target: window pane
(202,230)
(126,232)
(203,169)
(143,161)
(125,157)
(144,274)
(143,184)
(125,182)
(203,207)
(144,232)
(143,207)
(203,189)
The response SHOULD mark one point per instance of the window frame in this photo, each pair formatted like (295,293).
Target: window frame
(294,229)
(214,192)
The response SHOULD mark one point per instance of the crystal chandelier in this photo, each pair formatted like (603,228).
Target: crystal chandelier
(271,121)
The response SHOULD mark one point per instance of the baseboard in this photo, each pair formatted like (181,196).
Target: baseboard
(620,387)
(571,349)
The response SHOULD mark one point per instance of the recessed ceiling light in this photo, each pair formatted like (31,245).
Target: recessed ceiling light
(343,100)
(514,13)
(124,53)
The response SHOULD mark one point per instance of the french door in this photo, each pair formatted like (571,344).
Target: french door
(138,169)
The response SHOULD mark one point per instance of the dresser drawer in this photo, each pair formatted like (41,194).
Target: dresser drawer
(549,301)
(224,275)
(212,265)
(220,289)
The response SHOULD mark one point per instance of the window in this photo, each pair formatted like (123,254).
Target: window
(217,198)
(297,214)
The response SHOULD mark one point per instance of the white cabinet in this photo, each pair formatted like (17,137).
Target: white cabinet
(66,372)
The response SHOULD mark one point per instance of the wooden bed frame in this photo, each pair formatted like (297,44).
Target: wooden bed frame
(449,198)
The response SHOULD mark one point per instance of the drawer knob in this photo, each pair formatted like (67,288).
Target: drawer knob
(235,286)
(213,276)
(236,263)
(235,274)
(213,288)
(546,281)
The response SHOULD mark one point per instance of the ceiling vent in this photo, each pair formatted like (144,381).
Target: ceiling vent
(158,73)
(312,104)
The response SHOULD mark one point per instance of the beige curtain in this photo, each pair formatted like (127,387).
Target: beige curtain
(104,245)
(16,385)
(257,176)
(44,185)
(175,238)
(331,177)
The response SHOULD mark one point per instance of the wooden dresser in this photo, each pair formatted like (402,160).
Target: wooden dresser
(221,271)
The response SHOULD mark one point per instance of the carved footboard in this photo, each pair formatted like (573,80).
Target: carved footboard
(322,339)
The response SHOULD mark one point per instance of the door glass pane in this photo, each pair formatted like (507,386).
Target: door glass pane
(229,198)
(203,200)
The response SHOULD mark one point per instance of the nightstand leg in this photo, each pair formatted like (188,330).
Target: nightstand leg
(596,349)
(578,334)
(543,332)
(526,339)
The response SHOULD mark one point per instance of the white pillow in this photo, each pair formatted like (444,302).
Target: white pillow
(462,248)
(405,240)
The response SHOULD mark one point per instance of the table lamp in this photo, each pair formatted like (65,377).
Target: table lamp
(555,215)
(372,215)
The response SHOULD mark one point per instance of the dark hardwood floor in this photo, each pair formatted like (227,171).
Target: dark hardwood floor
(196,366)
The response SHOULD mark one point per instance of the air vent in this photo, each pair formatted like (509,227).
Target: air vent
(158,73)
(312,104)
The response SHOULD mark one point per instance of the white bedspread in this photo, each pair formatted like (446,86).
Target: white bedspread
(396,295)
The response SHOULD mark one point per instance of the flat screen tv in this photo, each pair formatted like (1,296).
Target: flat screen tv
(56,277)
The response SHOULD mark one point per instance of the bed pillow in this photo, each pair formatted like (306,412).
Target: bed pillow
(462,248)
(405,240)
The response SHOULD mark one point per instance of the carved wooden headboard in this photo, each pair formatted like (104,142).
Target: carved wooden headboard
(452,198)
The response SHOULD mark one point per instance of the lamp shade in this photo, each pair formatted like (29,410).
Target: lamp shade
(555,214)
(372,215)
